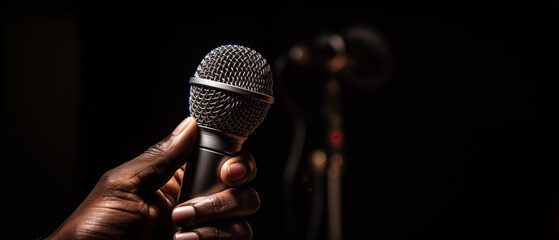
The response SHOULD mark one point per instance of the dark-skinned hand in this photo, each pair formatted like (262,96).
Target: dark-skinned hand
(137,200)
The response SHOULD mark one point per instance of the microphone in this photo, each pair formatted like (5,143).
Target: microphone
(230,94)
(358,55)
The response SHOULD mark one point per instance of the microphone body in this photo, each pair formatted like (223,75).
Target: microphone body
(202,173)
(230,95)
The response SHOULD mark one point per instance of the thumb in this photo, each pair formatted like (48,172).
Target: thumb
(153,168)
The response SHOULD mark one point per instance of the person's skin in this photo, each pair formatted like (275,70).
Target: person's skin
(137,199)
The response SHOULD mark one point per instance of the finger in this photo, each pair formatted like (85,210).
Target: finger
(226,230)
(153,168)
(230,203)
(172,187)
(238,170)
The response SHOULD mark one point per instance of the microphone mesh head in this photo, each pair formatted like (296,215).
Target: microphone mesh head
(226,111)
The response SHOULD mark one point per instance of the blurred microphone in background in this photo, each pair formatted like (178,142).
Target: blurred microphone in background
(358,56)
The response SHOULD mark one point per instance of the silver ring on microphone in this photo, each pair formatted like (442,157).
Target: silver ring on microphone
(231,88)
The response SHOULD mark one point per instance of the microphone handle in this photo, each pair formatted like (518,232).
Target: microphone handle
(202,174)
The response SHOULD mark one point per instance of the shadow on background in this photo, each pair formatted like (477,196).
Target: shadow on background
(455,145)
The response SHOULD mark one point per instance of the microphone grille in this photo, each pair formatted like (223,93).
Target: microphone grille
(227,111)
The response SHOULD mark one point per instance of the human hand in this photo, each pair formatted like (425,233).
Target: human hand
(135,200)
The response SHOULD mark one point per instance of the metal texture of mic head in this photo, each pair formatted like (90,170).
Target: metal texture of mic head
(235,67)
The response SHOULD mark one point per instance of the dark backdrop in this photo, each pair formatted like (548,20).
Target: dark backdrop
(456,144)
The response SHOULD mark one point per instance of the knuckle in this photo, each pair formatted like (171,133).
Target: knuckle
(238,230)
(244,200)
(221,203)
(157,149)
(116,180)
(218,233)
(111,178)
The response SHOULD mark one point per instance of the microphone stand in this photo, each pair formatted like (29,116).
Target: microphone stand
(335,160)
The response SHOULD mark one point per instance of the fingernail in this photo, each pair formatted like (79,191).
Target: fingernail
(186,236)
(236,171)
(182,126)
(183,215)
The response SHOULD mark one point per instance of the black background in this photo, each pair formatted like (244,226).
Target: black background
(457,144)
